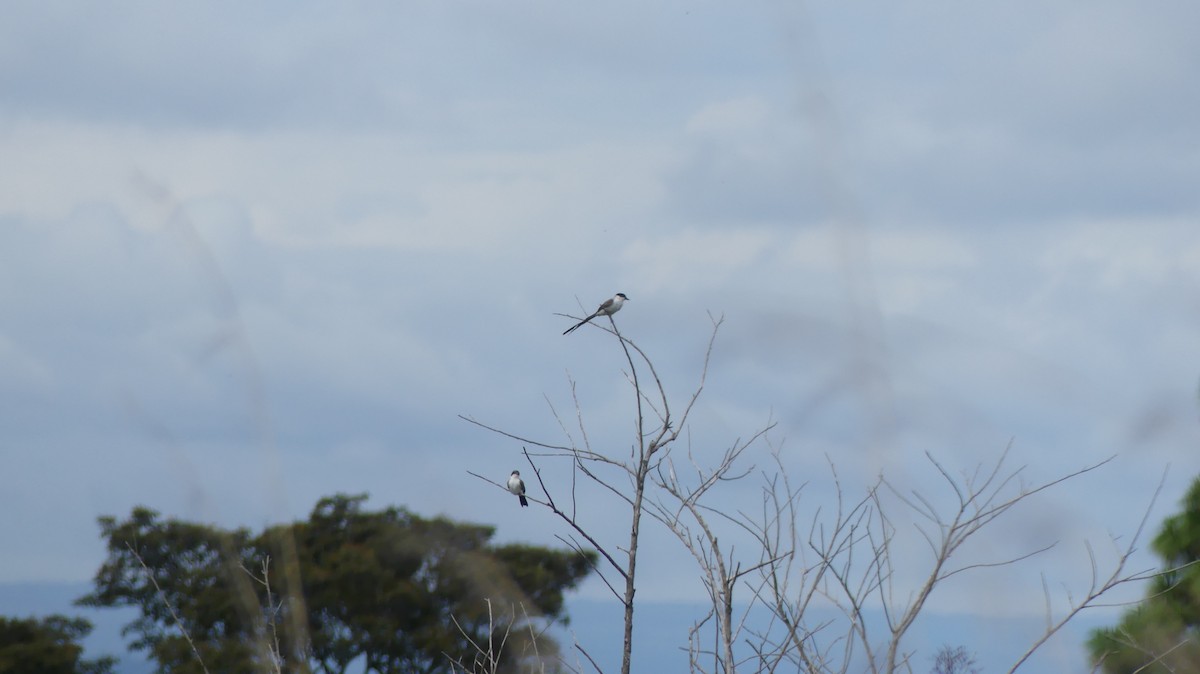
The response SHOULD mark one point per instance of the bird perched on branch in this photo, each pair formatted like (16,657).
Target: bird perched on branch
(608,308)
(517,486)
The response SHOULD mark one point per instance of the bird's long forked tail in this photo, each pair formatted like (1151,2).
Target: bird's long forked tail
(579,324)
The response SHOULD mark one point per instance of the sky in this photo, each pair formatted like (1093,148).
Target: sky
(253,255)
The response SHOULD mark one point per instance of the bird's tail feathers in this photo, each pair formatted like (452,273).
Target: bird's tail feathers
(577,325)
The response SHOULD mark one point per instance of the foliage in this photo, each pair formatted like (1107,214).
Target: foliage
(388,589)
(1163,633)
(47,645)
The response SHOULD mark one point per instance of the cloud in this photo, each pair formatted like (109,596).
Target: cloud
(212,66)
(298,242)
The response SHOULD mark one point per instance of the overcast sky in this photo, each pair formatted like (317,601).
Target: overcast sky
(255,254)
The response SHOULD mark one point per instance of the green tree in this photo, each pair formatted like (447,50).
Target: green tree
(387,589)
(47,646)
(1162,634)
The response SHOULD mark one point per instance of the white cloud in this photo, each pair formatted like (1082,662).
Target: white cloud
(22,370)
(1123,255)
(732,117)
(692,261)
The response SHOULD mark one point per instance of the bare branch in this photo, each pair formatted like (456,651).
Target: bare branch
(1097,589)
(162,596)
(514,437)
(571,520)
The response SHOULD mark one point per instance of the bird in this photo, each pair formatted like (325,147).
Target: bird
(517,486)
(608,308)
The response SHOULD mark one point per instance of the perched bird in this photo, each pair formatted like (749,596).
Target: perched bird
(517,486)
(608,308)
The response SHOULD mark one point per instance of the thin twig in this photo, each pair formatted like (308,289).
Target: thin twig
(171,609)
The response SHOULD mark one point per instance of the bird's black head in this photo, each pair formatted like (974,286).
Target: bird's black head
(517,473)
(622,296)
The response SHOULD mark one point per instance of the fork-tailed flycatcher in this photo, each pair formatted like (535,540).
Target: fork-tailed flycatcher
(517,486)
(610,307)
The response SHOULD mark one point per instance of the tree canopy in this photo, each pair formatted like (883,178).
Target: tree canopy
(388,589)
(1161,634)
(47,645)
